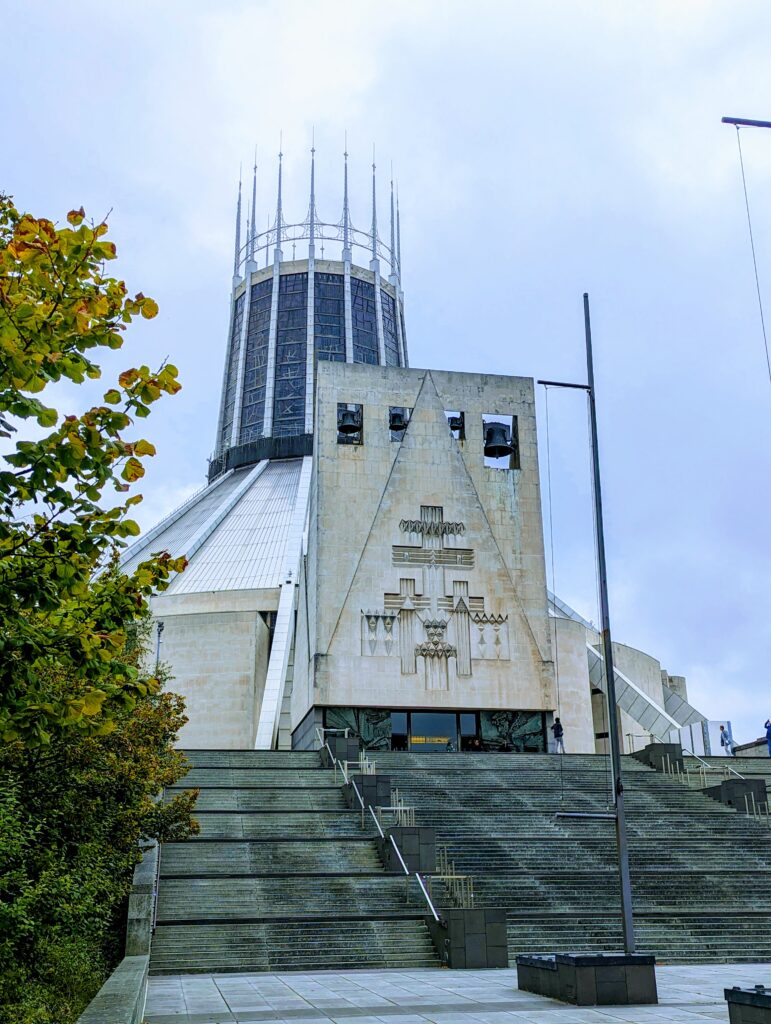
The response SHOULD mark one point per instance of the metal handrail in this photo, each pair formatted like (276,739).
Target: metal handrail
(377,823)
(427,897)
(712,767)
(399,855)
(367,767)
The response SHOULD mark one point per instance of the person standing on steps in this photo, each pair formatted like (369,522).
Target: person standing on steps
(559,737)
(726,742)
(768,735)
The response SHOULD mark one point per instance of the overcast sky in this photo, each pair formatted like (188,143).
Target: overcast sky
(542,149)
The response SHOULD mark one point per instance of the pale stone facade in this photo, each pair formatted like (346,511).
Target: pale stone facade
(425,576)
(219,661)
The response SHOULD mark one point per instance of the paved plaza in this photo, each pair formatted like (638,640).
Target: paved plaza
(427,996)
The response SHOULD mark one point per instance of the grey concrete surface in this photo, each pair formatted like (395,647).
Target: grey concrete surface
(687,994)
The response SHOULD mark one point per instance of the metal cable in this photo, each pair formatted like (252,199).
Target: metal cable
(553,585)
(754,257)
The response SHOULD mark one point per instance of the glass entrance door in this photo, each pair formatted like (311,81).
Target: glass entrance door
(433,731)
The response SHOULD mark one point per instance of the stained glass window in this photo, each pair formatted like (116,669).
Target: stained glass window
(365,348)
(329,316)
(389,329)
(256,360)
(291,338)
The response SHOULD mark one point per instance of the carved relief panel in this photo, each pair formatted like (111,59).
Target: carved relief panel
(432,618)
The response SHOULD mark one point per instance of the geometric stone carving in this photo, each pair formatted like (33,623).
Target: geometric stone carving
(425,621)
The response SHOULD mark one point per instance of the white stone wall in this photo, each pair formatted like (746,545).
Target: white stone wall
(219,660)
(573,687)
(363,561)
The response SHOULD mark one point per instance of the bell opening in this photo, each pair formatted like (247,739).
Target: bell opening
(456,421)
(500,442)
(349,424)
(398,419)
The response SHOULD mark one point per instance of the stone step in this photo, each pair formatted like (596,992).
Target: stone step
(299,945)
(266,798)
(254,858)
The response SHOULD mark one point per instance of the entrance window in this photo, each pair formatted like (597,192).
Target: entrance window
(399,731)
(433,731)
(469,731)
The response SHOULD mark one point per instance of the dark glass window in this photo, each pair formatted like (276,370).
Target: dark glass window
(370,725)
(468,723)
(291,345)
(399,722)
(231,378)
(365,349)
(520,731)
(256,361)
(390,337)
(433,730)
(329,316)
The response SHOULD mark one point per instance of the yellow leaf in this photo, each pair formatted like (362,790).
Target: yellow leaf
(149,309)
(144,448)
(92,701)
(75,217)
(133,470)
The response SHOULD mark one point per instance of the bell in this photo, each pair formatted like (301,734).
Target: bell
(397,421)
(348,422)
(498,441)
(455,424)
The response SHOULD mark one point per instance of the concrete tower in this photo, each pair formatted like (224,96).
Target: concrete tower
(368,551)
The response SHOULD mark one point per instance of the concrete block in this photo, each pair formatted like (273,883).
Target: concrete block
(749,1005)
(590,979)
(463,938)
(661,755)
(739,793)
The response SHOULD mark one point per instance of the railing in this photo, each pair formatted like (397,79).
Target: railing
(724,770)
(758,812)
(402,812)
(367,767)
(460,888)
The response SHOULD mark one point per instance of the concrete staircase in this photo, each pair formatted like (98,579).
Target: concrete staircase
(281,877)
(749,767)
(701,872)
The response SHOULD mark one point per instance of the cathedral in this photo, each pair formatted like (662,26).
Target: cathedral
(367,553)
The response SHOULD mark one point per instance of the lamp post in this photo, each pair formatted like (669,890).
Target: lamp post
(607,646)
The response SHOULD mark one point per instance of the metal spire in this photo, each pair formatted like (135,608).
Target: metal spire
(279,211)
(346,213)
(252,236)
(312,214)
(238,228)
(374,209)
(394,265)
(398,237)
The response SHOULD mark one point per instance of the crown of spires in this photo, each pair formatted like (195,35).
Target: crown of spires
(277,231)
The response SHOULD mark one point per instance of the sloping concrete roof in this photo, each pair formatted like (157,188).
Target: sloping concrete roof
(233,532)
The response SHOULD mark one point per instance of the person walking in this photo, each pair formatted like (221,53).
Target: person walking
(768,735)
(726,742)
(559,737)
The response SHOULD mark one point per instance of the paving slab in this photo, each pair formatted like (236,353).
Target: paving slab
(429,996)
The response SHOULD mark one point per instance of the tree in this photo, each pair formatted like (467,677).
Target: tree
(64,605)
(86,735)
